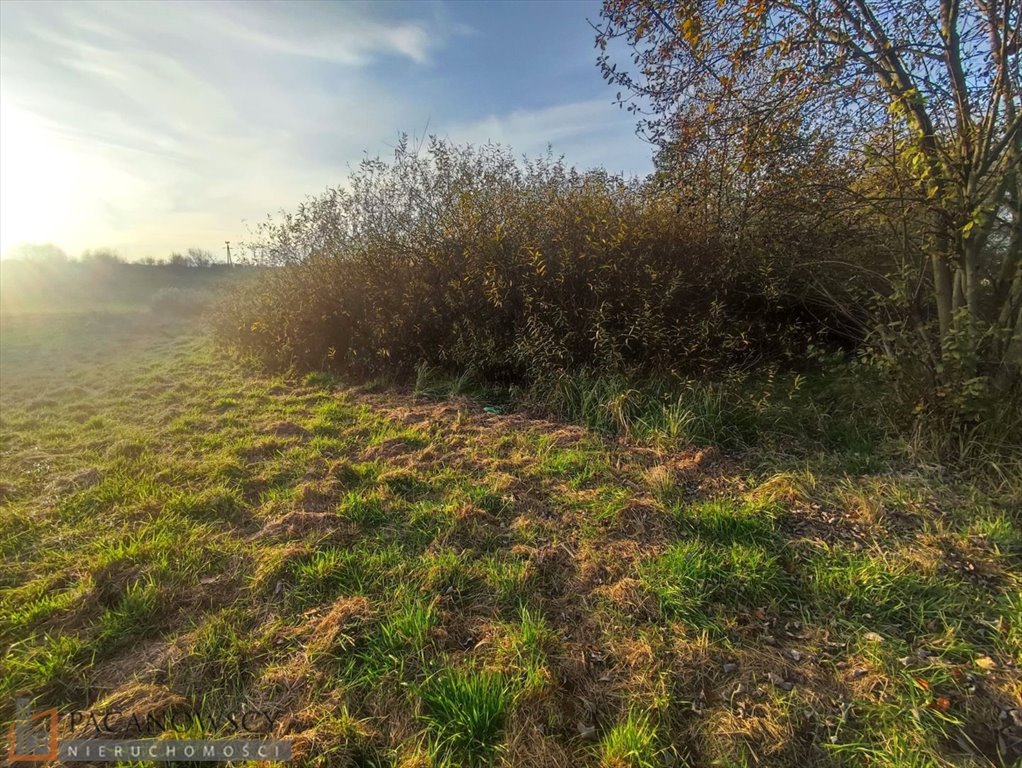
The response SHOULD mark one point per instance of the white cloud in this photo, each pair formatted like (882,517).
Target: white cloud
(351,42)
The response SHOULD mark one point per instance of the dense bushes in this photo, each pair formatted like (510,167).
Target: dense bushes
(632,306)
(465,259)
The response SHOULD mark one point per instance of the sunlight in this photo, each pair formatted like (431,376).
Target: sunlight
(39,177)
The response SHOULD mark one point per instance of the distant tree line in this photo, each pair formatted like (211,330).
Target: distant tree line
(49,253)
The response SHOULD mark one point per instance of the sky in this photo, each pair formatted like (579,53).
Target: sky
(152,127)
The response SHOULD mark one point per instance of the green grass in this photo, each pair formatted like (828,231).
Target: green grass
(464,711)
(895,592)
(700,583)
(131,617)
(631,744)
(222,652)
(330,573)
(526,649)
(418,582)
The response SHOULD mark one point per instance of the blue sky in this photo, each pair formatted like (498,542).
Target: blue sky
(150,127)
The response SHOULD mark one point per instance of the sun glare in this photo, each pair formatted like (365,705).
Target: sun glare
(39,174)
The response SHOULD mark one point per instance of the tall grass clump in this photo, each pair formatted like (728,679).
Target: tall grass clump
(465,713)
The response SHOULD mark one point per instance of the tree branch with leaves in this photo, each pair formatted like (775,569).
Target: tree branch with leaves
(928,91)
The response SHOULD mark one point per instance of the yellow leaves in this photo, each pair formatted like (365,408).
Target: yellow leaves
(755,11)
(978,218)
(493,288)
(691,31)
(538,262)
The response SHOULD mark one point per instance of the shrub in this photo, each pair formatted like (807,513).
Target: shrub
(607,300)
(465,259)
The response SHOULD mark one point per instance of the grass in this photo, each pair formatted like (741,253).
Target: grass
(690,580)
(412,580)
(464,711)
(631,744)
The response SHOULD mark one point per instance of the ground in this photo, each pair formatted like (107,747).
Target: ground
(412,581)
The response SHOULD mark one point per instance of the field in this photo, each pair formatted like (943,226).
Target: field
(413,580)
(28,287)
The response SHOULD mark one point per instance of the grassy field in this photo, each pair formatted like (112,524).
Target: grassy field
(420,582)
(29,287)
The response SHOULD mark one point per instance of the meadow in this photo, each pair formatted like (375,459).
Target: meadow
(414,576)
(497,461)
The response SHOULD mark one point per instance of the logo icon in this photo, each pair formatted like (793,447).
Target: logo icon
(33,737)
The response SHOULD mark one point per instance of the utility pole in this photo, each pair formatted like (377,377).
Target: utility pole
(228,244)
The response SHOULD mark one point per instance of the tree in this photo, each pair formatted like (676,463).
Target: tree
(923,95)
(199,257)
(43,253)
(101,257)
(195,257)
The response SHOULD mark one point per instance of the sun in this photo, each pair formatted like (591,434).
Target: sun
(39,176)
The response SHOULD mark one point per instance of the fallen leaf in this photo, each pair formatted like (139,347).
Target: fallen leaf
(943,703)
